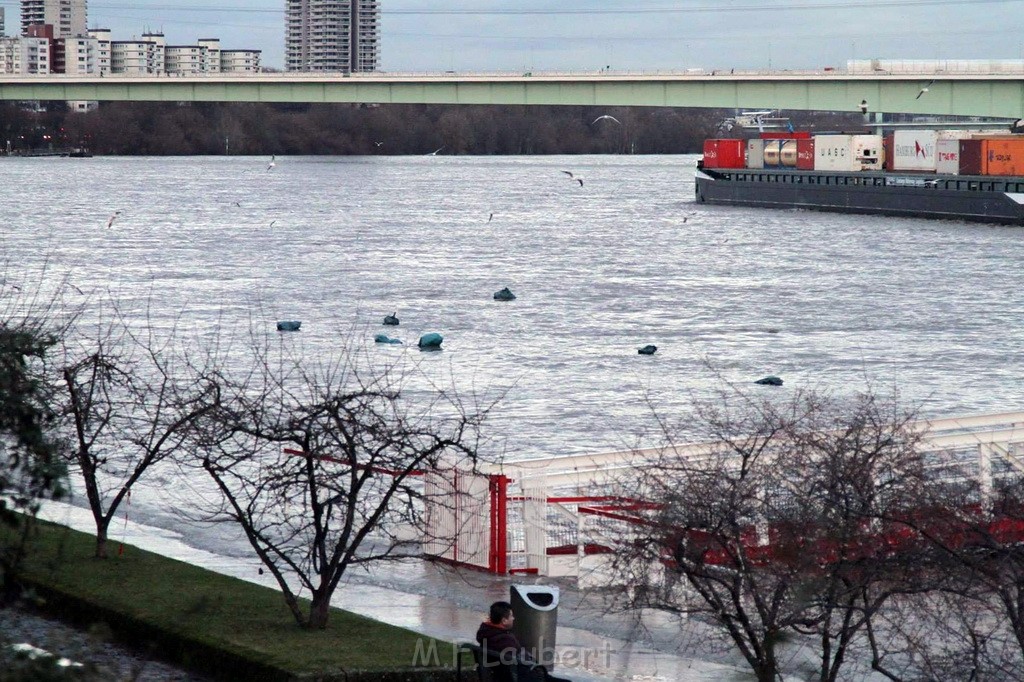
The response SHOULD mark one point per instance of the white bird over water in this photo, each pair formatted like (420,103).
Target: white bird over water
(606,116)
(924,89)
(113,218)
(272,164)
(434,153)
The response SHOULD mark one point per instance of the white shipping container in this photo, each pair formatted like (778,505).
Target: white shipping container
(914,150)
(847,152)
(755,153)
(947,156)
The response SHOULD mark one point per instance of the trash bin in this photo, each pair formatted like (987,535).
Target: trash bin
(536,611)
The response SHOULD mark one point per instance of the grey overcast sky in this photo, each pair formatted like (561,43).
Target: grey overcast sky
(588,35)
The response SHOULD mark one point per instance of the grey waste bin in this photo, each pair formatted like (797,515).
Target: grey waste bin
(536,611)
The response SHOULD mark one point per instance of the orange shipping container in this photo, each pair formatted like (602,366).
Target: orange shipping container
(1003,157)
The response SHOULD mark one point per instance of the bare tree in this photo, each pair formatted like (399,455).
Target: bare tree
(321,467)
(127,406)
(772,529)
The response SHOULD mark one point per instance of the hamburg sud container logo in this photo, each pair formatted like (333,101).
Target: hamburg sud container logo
(923,151)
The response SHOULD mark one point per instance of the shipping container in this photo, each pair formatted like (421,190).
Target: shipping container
(1003,157)
(755,153)
(887,148)
(724,153)
(848,152)
(805,154)
(780,153)
(992,156)
(914,150)
(970,156)
(947,156)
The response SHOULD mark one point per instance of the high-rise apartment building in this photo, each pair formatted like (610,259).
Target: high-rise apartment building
(66,16)
(332,35)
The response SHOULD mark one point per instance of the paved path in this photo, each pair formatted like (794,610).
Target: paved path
(593,646)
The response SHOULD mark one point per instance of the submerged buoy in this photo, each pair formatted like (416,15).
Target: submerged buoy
(649,349)
(504,295)
(384,338)
(391,320)
(289,325)
(770,381)
(431,341)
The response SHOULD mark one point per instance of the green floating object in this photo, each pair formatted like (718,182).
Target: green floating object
(431,341)
(391,320)
(649,349)
(289,325)
(504,295)
(769,381)
(384,338)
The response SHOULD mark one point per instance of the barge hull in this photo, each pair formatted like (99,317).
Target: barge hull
(969,198)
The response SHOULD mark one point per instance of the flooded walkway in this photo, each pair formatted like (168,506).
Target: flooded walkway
(593,646)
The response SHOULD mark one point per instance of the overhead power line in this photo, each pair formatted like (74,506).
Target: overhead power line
(814,5)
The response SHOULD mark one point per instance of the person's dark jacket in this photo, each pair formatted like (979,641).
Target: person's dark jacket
(497,640)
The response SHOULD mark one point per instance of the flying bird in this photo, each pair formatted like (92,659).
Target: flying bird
(238,204)
(434,153)
(272,223)
(270,166)
(606,116)
(579,180)
(113,218)
(568,173)
(379,144)
(924,89)
(490,217)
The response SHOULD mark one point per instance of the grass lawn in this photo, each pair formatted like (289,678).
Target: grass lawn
(209,621)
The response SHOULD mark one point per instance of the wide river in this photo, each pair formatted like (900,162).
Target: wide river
(825,301)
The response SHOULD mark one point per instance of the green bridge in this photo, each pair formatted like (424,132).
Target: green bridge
(987,95)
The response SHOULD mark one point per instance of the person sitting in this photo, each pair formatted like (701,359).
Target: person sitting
(500,645)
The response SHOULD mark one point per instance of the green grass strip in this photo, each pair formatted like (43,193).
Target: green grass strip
(216,623)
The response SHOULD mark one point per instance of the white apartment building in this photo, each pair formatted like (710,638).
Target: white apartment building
(24,55)
(102,38)
(240,61)
(66,16)
(185,60)
(212,45)
(332,35)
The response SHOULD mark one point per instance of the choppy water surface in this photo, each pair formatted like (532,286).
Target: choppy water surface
(626,259)
(599,270)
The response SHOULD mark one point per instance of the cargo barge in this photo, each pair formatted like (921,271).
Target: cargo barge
(952,175)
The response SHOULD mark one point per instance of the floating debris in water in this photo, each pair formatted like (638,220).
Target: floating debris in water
(649,349)
(289,325)
(504,295)
(391,320)
(384,338)
(770,381)
(431,341)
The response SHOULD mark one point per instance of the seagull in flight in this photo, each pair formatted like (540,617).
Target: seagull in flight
(924,89)
(569,173)
(434,153)
(113,218)
(606,116)
(490,217)
(272,164)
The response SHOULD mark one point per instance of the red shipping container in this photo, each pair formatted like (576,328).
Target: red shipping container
(889,151)
(805,154)
(725,153)
(970,157)
(795,135)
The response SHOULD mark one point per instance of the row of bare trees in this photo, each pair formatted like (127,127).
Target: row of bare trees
(821,539)
(317,462)
(161,128)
